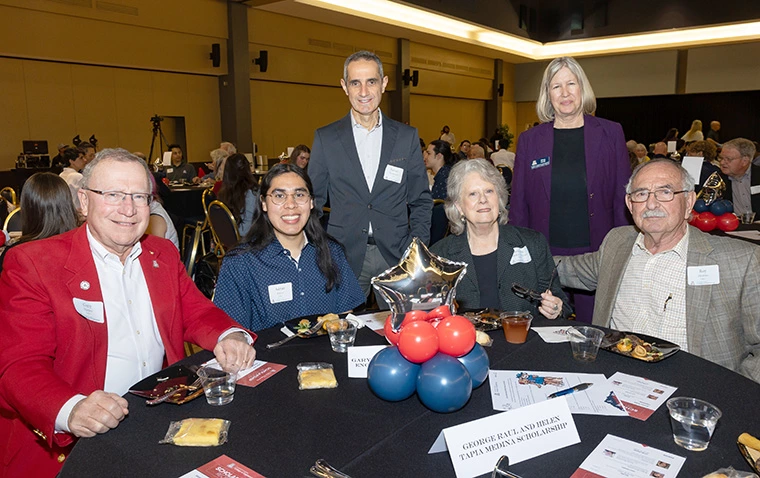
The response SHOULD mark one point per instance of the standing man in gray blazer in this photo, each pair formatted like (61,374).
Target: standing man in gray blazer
(371,169)
(673,281)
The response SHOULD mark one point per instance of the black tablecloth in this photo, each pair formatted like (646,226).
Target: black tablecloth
(742,227)
(280,431)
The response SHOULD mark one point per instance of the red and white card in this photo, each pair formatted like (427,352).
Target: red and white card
(222,467)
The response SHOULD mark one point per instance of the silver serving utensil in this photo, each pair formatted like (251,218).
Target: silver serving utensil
(322,469)
(193,386)
(310,332)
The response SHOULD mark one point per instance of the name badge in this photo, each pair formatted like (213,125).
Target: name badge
(169,170)
(539,163)
(520,256)
(703,275)
(280,292)
(754,190)
(393,173)
(90,310)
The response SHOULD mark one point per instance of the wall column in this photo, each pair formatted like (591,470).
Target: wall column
(493,106)
(235,86)
(401,98)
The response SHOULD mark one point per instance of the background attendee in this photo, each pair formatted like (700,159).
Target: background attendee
(502,157)
(180,170)
(743,185)
(74,160)
(714,133)
(58,161)
(229,147)
(439,158)
(373,184)
(706,150)
(660,151)
(570,171)
(287,266)
(239,191)
(647,282)
(448,136)
(497,253)
(160,223)
(47,209)
(641,153)
(300,156)
(464,148)
(694,133)
(88,150)
(216,165)
(476,152)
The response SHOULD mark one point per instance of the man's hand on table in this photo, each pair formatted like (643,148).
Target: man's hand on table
(234,353)
(99,412)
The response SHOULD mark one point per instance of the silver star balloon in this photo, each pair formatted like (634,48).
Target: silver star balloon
(420,281)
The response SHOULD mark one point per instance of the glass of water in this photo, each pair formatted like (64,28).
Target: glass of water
(693,422)
(218,385)
(342,334)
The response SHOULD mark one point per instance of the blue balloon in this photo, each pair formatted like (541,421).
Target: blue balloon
(700,206)
(729,205)
(444,384)
(477,364)
(392,377)
(718,207)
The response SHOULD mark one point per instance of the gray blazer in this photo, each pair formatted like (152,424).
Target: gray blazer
(722,320)
(336,172)
(534,274)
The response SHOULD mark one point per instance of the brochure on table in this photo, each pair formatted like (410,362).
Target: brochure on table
(553,335)
(476,446)
(222,467)
(255,374)
(375,322)
(640,396)
(511,389)
(616,457)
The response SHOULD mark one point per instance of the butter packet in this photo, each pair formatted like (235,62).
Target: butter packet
(197,432)
(312,375)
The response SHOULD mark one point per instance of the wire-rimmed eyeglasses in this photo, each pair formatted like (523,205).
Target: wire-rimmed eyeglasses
(116,197)
(300,197)
(662,195)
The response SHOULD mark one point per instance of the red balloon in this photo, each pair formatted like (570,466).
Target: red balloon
(440,312)
(456,336)
(389,333)
(693,216)
(413,315)
(728,222)
(706,221)
(418,341)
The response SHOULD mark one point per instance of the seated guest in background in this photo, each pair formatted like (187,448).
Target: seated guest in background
(71,173)
(448,136)
(647,279)
(660,151)
(229,148)
(641,153)
(58,161)
(88,150)
(439,158)
(180,170)
(48,209)
(502,157)
(497,254)
(743,185)
(486,145)
(71,342)
(464,148)
(160,223)
(706,150)
(476,152)
(287,266)
(714,134)
(216,165)
(240,192)
(300,156)
(694,133)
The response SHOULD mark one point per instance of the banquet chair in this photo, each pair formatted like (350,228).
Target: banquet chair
(188,230)
(223,227)
(9,195)
(13,221)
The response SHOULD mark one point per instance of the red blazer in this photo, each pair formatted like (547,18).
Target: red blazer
(49,353)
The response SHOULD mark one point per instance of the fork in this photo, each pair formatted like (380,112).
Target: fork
(167,395)
(322,469)
(313,330)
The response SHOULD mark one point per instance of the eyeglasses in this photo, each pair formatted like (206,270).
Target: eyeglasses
(530,294)
(116,197)
(727,159)
(279,198)
(662,195)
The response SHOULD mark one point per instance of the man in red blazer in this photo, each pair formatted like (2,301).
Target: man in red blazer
(86,314)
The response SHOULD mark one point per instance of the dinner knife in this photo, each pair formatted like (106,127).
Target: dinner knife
(577,388)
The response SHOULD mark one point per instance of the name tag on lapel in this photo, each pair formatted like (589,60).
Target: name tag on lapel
(754,190)
(90,310)
(393,173)
(540,162)
(703,275)
(280,292)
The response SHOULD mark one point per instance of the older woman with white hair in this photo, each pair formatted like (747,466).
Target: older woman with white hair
(571,170)
(509,268)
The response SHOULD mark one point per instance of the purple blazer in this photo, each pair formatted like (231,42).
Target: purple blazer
(607,172)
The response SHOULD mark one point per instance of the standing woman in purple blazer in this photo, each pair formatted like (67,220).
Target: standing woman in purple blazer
(570,170)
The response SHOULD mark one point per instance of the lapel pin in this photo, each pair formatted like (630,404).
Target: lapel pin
(84,285)
(155,264)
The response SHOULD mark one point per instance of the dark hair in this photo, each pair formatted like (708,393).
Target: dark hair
(301,148)
(71,154)
(261,233)
(237,180)
(671,136)
(444,148)
(47,208)
(172,146)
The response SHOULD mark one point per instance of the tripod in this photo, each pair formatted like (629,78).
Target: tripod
(162,142)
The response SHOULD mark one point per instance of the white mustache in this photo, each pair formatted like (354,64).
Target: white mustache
(653,213)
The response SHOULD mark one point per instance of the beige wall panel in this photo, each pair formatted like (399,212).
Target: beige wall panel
(509,117)
(723,68)
(170,93)
(95,104)
(202,117)
(14,123)
(466,118)
(50,100)
(134,108)
(526,116)
(445,84)
(433,58)
(48,36)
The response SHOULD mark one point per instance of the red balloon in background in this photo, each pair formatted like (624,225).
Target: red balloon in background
(728,222)
(440,312)
(456,336)
(693,216)
(706,221)
(413,315)
(389,333)
(418,341)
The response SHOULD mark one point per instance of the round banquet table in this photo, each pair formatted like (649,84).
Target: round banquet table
(280,431)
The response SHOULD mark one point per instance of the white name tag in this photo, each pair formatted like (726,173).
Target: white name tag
(521,256)
(89,310)
(359,359)
(169,170)
(703,275)
(393,173)
(280,292)
(754,189)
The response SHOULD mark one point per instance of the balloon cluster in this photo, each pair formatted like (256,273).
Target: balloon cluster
(719,214)
(434,354)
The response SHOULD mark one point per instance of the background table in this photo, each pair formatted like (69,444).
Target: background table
(280,431)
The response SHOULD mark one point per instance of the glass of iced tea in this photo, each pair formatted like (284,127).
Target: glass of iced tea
(516,325)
